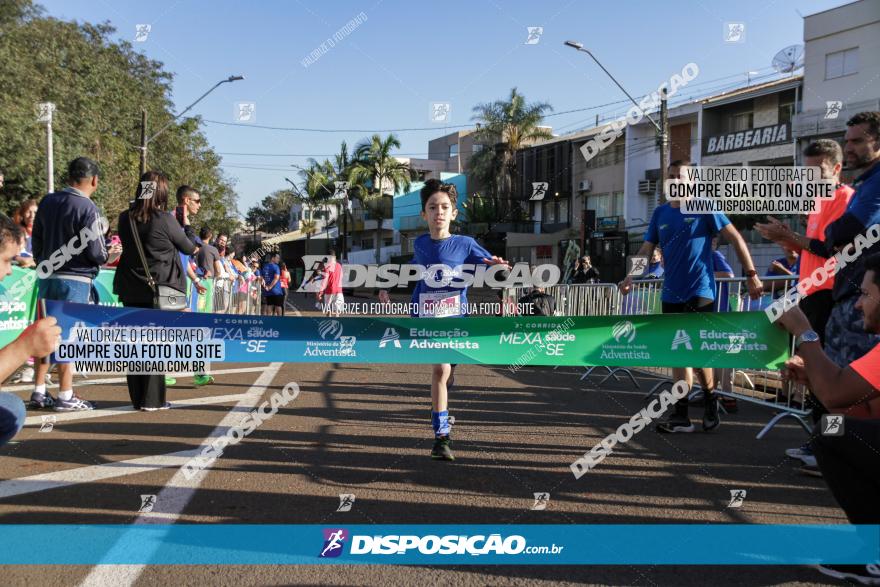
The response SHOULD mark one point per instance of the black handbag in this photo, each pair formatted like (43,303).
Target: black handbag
(165,297)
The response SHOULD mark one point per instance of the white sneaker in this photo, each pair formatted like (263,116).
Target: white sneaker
(27,375)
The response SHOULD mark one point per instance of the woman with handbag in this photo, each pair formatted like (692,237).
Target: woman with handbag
(149,274)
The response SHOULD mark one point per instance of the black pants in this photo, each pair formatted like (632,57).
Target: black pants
(146,391)
(817,308)
(850,465)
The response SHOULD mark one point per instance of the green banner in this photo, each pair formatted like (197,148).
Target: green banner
(740,340)
(743,340)
(104,286)
(18,294)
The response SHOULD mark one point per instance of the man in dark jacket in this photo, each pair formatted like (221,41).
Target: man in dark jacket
(68,242)
(538,303)
(585,272)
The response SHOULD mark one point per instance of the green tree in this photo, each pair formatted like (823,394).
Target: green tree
(504,127)
(99,87)
(374,174)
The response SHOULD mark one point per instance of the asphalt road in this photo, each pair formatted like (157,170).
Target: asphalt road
(365,429)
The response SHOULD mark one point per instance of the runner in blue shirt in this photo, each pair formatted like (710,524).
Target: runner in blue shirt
(438,296)
(689,283)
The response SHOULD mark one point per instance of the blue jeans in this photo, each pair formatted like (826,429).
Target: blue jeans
(64,290)
(12,414)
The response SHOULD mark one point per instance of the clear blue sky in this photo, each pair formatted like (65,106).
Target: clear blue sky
(385,74)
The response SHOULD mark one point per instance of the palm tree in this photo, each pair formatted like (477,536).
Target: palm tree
(308,227)
(375,173)
(504,127)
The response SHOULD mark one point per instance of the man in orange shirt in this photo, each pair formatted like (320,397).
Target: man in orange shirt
(816,303)
(850,462)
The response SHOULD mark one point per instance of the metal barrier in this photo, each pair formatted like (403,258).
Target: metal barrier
(237,296)
(759,387)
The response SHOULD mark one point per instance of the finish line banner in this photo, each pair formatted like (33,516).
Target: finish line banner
(96,334)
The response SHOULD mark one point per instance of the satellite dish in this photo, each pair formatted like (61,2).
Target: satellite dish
(789,59)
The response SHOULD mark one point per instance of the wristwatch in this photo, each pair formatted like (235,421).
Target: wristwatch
(808,336)
(751,273)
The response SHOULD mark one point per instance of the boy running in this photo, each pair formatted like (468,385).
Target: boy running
(442,297)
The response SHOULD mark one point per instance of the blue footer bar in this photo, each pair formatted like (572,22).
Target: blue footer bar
(661,544)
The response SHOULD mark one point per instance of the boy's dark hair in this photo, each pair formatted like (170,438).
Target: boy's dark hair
(82,168)
(206,233)
(184,191)
(432,186)
(872,119)
(872,263)
(9,231)
(825,148)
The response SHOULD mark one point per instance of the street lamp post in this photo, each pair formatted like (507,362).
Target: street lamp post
(661,127)
(145,141)
(46,111)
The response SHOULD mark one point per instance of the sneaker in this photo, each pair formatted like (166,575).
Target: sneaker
(809,460)
(165,406)
(711,419)
(170,381)
(799,452)
(26,375)
(811,470)
(200,380)
(863,574)
(74,404)
(442,450)
(675,424)
(41,401)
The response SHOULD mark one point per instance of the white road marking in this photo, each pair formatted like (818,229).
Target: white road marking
(93,473)
(172,500)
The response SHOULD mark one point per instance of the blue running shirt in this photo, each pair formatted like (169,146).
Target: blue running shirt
(434,300)
(686,240)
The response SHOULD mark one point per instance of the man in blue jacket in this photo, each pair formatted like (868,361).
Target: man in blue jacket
(68,242)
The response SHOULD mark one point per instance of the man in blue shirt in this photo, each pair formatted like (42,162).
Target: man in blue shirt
(845,337)
(689,282)
(273,296)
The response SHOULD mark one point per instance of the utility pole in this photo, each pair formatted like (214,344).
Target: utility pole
(664,146)
(145,140)
(143,167)
(46,110)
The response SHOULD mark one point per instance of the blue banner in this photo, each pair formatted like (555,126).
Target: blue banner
(537,544)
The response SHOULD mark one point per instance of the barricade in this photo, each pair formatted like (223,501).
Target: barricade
(760,387)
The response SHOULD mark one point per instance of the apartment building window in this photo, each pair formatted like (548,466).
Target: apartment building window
(549,214)
(741,121)
(841,63)
(563,211)
(786,112)
(610,204)
(453,150)
(477,148)
(612,155)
